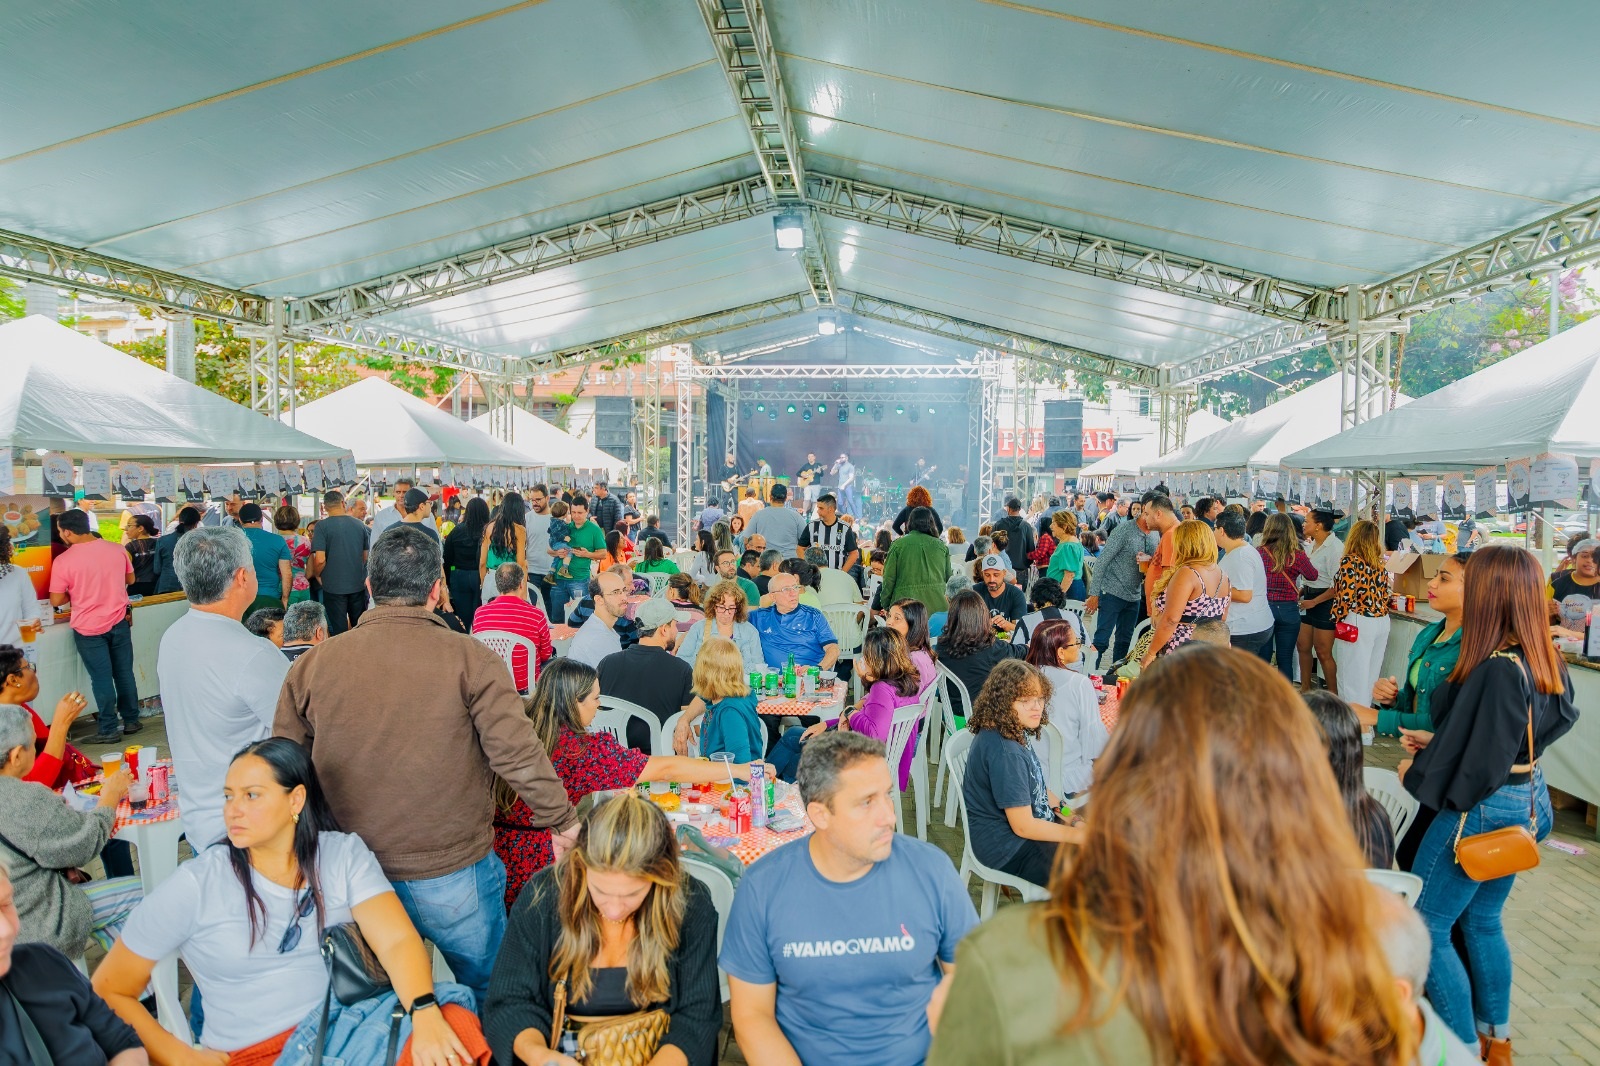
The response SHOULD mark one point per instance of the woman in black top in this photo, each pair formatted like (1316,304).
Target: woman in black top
(624,925)
(141,549)
(461,551)
(917,497)
(1477,772)
(967,645)
(166,544)
(1341,733)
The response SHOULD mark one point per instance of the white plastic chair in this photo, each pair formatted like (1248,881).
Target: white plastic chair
(721,888)
(658,583)
(668,729)
(901,727)
(1055,749)
(949,712)
(1407,886)
(955,757)
(849,624)
(1385,787)
(503,644)
(613,718)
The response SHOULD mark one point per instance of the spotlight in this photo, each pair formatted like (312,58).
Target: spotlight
(861,408)
(899,408)
(791,409)
(788,231)
(761,407)
(827,325)
(807,415)
(747,412)
(931,411)
(877,412)
(844,414)
(773,414)
(822,408)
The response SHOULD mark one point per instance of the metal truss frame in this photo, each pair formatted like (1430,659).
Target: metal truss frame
(272,367)
(36,259)
(415,347)
(983,428)
(785,394)
(1276,341)
(647,433)
(1083,253)
(525,256)
(981,336)
(743,42)
(1363,353)
(724,372)
(1566,238)
(687,329)
(1176,405)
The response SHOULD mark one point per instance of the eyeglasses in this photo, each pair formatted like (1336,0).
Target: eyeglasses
(729,607)
(790,588)
(291,935)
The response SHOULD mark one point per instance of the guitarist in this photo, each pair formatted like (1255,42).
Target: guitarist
(809,478)
(730,478)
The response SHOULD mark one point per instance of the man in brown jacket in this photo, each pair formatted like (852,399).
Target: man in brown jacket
(408,723)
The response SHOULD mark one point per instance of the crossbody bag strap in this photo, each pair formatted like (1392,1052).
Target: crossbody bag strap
(558,1014)
(30,1032)
(1533,764)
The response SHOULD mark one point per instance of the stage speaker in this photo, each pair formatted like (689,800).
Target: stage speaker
(669,515)
(1063,434)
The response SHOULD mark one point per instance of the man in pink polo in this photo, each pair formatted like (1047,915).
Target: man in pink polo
(93,576)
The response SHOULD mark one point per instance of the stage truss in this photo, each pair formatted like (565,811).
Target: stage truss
(976,384)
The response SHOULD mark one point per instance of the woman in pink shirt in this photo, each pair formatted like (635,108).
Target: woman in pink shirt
(909,618)
(892,682)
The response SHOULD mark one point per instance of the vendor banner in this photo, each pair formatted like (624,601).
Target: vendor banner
(97,479)
(330,473)
(248,489)
(132,480)
(1323,496)
(1344,490)
(447,474)
(1553,481)
(347,469)
(164,483)
(294,482)
(1591,492)
(1267,484)
(27,519)
(1483,487)
(1400,498)
(221,482)
(193,482)
(268,480)
(59,476)
(1428,496)
(1455,497)
(1519,485)
(313,477)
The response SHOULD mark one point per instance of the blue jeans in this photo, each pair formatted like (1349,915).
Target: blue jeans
(1119,615)
(1285,631)
(464,914)
(108,657)
(785,754)
(561,592)
(1449,895)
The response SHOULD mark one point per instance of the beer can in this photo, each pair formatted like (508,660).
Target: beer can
(758,791)
(160,783)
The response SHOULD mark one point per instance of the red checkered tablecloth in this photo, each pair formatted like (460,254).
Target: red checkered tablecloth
(1109,710)
(155,812)
(757,842)
(824,708)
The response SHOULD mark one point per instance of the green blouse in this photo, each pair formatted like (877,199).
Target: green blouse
(663,566)
(1429,663)
(1067,558)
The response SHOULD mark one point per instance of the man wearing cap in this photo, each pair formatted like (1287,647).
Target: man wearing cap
(789,627)
(1005,601)
(415,510)
(393,513)
(649,675)
(93,576)
(597,637)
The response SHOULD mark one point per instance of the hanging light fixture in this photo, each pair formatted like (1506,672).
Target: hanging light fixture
(761,407)
(861,408)
(806,415)
(844,413)
(789,231)
(790,409)
(822,408)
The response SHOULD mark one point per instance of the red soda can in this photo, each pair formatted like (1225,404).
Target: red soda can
(160,783)
(739,810)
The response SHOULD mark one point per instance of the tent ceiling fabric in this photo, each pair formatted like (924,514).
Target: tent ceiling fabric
(1329,145)
(68,392)
(387,426)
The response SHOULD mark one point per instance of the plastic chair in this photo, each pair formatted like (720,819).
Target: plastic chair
(1055,748)
(668,729)
(901,728)
(1408,886)
(849,624)
(658,583)
(721,887)
(613,718)
(1385,787)
(503,644)
(955,757)
(949,713)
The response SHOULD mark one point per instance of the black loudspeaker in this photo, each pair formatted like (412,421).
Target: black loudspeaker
(669,516)
(1063,434)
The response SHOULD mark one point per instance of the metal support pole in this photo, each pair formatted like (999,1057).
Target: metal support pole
(684,375)
(180,347)
(730,420)
(1173,414)
(986,489)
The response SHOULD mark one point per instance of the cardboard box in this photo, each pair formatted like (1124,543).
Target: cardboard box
(1412,572)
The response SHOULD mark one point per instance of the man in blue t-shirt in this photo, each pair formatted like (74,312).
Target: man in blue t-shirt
(845,977)
(789,627)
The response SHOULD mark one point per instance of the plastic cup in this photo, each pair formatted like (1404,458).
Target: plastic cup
(111,762)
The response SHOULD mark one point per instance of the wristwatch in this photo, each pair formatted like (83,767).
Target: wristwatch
(422,1002)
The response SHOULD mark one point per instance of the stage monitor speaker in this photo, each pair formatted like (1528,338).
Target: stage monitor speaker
(1063,434)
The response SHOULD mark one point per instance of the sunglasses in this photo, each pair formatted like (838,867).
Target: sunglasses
(291,935)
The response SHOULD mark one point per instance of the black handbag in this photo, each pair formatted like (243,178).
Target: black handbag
(354,975)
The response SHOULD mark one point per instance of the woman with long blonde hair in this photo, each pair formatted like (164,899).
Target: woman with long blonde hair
(1179,933)
(1192,595)
(1361,598)
(616,927)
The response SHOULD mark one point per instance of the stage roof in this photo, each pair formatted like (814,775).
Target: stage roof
(1143,183)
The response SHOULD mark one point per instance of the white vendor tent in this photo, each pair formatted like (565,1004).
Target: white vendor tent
(1263,439)
(1544,399)
(1131,459)
(66,392)
(387,426)
(541,442)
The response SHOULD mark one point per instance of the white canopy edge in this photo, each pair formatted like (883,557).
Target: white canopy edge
(387,426)
(538,441)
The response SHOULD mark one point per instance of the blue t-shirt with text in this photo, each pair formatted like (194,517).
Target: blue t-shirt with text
(855,963)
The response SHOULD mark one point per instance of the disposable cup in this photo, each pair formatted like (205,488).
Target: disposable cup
(111,762)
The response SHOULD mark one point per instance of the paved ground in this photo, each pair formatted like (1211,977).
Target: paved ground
(1551,919)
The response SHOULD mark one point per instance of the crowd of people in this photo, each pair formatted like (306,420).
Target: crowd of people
(318,677)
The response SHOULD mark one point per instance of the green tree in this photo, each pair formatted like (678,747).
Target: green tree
(10,299)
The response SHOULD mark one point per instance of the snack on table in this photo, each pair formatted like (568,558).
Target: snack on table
(667,801)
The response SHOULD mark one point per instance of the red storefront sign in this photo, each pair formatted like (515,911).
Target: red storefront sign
(1099,443)
(1007,443)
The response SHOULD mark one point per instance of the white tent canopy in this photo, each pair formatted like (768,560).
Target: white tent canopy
(387,426)
(1544,399)
(541,442)
(1264,438)
(1131,459)
(66,392)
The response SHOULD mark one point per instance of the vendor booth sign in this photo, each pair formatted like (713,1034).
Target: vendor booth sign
(1483,489)
(1553,481)
(1519,485)
(59,476)
(96,479)
(132,480)
(1455,497)
(28,520)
